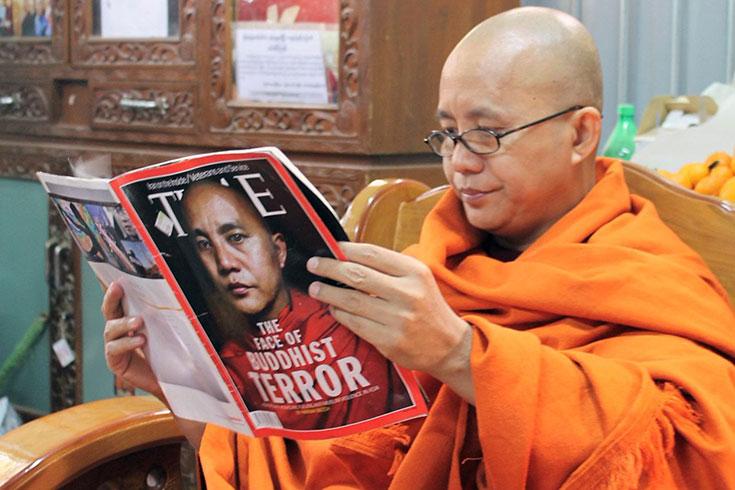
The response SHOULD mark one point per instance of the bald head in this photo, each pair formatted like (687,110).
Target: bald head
(543,51)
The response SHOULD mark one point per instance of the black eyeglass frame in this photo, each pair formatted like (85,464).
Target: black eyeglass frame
(496,135)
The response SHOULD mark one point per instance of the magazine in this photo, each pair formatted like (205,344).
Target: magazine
(211,252)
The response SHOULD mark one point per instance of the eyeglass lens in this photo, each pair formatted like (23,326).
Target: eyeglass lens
(477,140)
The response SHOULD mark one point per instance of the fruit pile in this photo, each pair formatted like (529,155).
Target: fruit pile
(715,176)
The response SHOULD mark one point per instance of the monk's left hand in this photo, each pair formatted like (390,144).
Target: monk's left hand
(396,305)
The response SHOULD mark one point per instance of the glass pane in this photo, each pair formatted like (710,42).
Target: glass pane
(285,52)
(133,19)
(25,18)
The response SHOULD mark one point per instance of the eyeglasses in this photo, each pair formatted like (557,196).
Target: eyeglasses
(480,141)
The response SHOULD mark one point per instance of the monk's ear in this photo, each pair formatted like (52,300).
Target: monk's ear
(587,123)
(279,243)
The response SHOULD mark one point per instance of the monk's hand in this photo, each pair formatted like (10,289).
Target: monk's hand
(124,342)
(396,305)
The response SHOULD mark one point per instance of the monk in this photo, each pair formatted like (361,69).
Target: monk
(565,336)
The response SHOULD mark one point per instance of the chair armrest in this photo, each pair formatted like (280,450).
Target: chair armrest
(372,216)
(705,223)
(53,449)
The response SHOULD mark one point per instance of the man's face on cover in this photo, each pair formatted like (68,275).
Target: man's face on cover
(243,258)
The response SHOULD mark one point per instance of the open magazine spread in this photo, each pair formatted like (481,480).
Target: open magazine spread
(211,253)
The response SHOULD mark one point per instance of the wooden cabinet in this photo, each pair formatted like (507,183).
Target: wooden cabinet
(83,89)
(177,93)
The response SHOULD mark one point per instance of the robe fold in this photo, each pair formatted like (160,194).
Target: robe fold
(602,357)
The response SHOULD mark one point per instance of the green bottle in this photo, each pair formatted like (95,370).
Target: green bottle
(621,143)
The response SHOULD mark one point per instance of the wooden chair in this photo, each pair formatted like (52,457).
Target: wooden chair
(390,212)
(126,440)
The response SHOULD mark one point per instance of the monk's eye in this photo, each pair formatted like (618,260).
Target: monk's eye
(203,244)
(236,238)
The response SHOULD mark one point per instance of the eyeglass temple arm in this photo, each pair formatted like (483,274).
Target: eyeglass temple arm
(543,119)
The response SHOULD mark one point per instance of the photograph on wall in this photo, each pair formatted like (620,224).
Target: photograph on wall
(26,18)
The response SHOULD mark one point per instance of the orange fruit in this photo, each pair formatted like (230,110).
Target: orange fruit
(722,170)
(727,191)
(682,178)
(696,171)
(710,185)
(723,157)
(665,173)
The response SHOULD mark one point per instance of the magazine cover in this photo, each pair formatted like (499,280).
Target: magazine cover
(228,235)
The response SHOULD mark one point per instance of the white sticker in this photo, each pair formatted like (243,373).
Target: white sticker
(63,352)
(164,224)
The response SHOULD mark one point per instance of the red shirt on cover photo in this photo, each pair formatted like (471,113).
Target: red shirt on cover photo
(311,360)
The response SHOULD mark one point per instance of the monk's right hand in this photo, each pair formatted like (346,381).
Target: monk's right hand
(123,344)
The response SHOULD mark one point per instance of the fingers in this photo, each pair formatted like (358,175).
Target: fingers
(354,275)
(368,268)
(349,300)
(379,258)
(122,339)
(359,312)
(122,327)
(369,330)
(112,302)
(123,346)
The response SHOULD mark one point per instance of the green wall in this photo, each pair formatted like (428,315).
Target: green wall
(23,292)
(97,380)
(24,296)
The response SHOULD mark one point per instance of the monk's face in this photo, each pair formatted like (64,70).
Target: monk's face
(519,191)
(243,258)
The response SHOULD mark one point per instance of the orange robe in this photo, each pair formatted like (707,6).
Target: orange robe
(601,358)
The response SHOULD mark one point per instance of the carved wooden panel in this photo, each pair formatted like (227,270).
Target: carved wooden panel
(338,185)
(341,121)
(23,102)
(64,321)
(37,51)
(144,108)
(90,50)
(21,165)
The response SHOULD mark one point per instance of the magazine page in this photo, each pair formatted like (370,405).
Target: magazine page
(232,232)
(114,250)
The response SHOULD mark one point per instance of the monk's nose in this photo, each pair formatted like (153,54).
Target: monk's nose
(466,162)
(226,262)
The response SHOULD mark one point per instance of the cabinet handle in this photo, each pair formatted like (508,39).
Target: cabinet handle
(8,100)
(56,253)
(61,251)
(159,103)
(51,245)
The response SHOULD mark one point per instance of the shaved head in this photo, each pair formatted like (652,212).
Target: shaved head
(543,50)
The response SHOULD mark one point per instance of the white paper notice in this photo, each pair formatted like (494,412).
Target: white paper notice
(280,65)
(63,352)
(134,18)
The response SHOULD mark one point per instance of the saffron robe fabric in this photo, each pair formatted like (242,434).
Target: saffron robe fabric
(322,341)
(601,358)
